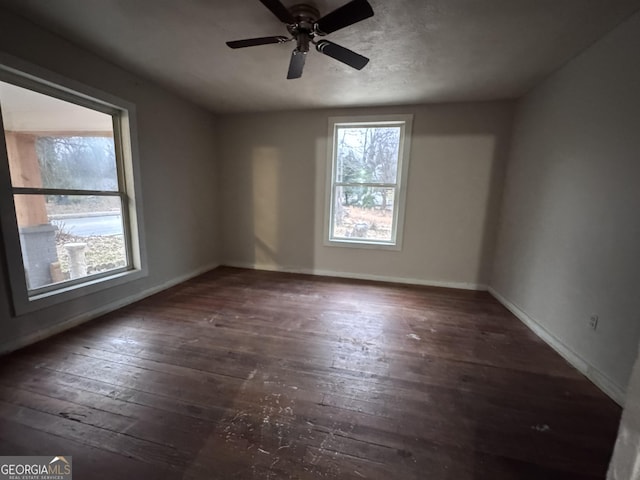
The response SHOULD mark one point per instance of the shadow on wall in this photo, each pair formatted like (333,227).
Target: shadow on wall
(473,141)
(266,176)
(455,191)
(493,203)
(282,210)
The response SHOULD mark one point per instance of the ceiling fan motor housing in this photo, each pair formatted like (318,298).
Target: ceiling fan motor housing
(306,15)
(304,29)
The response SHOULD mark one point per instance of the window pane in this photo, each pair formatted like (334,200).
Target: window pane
(52,143)
(367,154)
(364,213)
(67,237)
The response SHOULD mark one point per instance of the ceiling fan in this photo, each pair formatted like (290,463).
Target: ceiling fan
(304,24)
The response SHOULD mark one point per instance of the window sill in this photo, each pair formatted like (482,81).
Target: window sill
(24,304)
(363,244)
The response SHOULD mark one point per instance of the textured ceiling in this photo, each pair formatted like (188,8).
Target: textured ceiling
(421,51)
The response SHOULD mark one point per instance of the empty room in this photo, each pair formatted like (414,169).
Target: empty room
(278,239)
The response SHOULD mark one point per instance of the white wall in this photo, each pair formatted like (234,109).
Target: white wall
(178,176)
(273,188)
(569,236)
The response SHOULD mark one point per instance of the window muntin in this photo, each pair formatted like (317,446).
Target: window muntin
(368,163)
(69,185)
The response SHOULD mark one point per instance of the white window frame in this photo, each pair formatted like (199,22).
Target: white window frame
(32,77)
(404,121)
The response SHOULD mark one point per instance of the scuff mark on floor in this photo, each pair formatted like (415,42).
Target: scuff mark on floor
(541,428)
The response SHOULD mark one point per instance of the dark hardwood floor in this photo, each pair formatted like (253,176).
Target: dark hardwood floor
(241,374)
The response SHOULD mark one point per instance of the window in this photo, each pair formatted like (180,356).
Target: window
(69,213)
(369,160)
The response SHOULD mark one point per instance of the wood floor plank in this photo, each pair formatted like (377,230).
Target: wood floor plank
(88,461)
(262,375)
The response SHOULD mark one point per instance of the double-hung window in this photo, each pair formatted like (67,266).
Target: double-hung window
(69,216)
(368,165)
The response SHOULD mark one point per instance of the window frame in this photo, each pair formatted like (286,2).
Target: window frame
(405,122)
(123,114)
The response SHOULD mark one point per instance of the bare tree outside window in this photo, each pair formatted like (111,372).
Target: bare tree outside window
(77,162)
(365,181)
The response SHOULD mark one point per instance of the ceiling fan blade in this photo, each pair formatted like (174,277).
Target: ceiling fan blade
(252,42)
(279,10)
(296,65)
(342,54)
(348,14)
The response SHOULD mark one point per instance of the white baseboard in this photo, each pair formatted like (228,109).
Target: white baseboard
(602,381)
(23,341)
(358,276)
